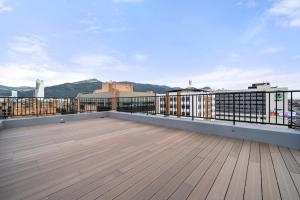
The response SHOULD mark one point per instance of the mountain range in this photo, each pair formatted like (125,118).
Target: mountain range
(72,89)
(86,86)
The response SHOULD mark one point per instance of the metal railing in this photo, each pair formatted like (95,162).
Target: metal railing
(12,107)
(261,107)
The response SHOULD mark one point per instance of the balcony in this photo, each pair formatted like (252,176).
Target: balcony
(108,158)
(81,149)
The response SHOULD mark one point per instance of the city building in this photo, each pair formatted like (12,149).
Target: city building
(27,106)
(118,95)
(259,103)
(185,103)
(39,89)
(14,93)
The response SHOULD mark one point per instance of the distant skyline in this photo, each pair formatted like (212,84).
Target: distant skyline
(222,44)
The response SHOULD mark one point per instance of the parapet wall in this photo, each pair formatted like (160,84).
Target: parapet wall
(32,121)
(272,135)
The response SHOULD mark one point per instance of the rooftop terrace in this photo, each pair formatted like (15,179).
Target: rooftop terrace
(118,159)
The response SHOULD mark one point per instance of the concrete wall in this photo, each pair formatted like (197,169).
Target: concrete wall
(21,122)
(281,136)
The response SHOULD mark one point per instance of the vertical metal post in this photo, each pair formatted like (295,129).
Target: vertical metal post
(250,107)
(233,108)
(131,104)
(283,100)
(291,109)
(192,106)
(147,105)
(276,107)
(269,108)
(239,106)
(196,105)
(256,106)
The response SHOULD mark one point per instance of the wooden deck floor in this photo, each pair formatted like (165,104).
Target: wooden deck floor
(114,159)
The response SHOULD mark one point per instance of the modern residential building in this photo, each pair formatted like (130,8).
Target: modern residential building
(260,102)
(187,102)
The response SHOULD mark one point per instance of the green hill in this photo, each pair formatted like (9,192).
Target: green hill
(72,89)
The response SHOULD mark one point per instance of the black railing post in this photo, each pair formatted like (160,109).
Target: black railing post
(233,108)
(291,109)
(131,104)
(276,108)
(147,105)
(192,107)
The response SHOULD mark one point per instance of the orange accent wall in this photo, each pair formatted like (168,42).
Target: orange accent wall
(178,104)
(167,104)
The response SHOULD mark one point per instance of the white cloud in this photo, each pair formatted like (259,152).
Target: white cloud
(92,24)
(21,74)
(4,7)
(247,3)
(127,1)
(233,57)
(236,78)
(104,62)
(29,47)
(287,12)
(271,50)
(284,12)
(140,57)
(254,29)
(30,60)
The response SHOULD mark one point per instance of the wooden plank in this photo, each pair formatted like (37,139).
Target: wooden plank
(188,185)
(285,182)
(203,187)
(163,179)
(167,190)
(158,177)
(51,166)
(253,182)
(296,154)
(85,172)
(219,188)
(290,161)
(87,185)
(136,183)
(116,152)
(237,184)
(135,173)
(270,188)
(292,165)
(110,158)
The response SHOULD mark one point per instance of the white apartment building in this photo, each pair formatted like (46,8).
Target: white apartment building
(259,103)
(188,102)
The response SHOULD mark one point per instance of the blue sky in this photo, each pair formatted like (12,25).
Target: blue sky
(222,44)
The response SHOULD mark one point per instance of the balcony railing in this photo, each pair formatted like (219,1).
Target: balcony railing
(261,107)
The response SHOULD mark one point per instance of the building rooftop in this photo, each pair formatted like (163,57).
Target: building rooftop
(118,159)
